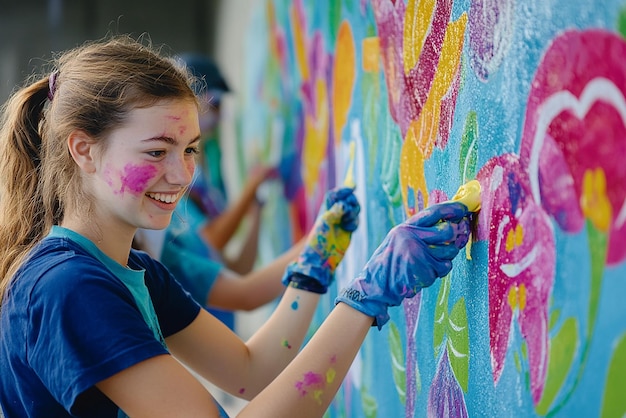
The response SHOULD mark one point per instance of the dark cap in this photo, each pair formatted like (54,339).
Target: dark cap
(204,68)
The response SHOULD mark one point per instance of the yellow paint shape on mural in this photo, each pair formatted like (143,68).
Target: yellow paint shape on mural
(371,54)
(449,61)
(343,78)
(594,202)
(517,297)
(412,171)
(417,22)
(270,11)
(299,44)
(514,238)
(315,138)
(450,57)
(427,125)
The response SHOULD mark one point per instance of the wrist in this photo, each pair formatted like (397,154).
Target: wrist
(302,282)
(370,306)
(304,273)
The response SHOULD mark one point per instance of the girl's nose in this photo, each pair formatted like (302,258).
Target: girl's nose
(180,171)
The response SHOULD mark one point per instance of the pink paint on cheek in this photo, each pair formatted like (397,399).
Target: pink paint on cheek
(136,177)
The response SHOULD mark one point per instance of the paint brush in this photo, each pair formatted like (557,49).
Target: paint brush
(349,179)
(469,195)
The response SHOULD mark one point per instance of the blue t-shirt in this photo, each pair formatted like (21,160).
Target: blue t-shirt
(72,317)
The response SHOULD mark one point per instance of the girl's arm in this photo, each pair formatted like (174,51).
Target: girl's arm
(244,369)
(411,257)
(221,229)
(307,387)
(243,261)
(250,291)
(161,387)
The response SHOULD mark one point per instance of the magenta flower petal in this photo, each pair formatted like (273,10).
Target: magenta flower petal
(521,267)
(577,108)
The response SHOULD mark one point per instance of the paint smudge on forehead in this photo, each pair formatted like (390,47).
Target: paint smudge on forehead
(136,177)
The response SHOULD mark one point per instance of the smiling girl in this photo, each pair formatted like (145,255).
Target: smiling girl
(89,327)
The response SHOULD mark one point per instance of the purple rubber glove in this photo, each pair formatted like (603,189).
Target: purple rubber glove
(411,257)
(314,270)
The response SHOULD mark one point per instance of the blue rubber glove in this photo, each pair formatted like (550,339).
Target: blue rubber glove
(411,257)
(327,243)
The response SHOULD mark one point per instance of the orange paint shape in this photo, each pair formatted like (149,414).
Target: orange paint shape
(343,78)
(371,54)
(315,138)
(412,171)
(299,42)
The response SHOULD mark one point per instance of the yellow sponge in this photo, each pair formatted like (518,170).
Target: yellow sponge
(469,195)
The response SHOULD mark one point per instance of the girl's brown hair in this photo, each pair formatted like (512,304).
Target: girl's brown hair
(90,88)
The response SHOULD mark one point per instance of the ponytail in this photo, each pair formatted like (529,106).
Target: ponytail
(22,216)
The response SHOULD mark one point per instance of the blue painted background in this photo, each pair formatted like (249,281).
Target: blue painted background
(452,351)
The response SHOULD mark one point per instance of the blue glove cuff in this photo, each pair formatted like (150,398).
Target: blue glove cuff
(312,278)
(299,281)
(358,300)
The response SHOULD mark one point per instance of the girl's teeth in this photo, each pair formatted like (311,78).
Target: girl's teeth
(167,198)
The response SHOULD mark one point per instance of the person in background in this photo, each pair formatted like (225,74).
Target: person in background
(205,221)
(104,144)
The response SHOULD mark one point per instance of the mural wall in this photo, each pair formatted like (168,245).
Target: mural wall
(412,99)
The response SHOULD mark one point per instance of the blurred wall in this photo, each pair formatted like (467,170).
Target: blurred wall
(30,30)
(414,98)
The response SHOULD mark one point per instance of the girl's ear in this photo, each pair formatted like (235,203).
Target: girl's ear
(82,149)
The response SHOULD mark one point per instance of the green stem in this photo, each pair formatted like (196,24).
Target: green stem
(598,250)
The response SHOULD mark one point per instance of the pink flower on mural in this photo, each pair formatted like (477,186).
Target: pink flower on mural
(569,169)
(521,265)
(574,135)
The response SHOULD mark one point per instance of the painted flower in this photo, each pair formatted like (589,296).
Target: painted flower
(574,134)
(445,398)
(521,265)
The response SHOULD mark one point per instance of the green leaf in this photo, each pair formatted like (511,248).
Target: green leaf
(368,402)
(621,22)
(597,249)
(397,361)
(441,315)
(554,318)
(560,357)
(469,150)
(458,343)
(614,402)
(517,361)
(389,177)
